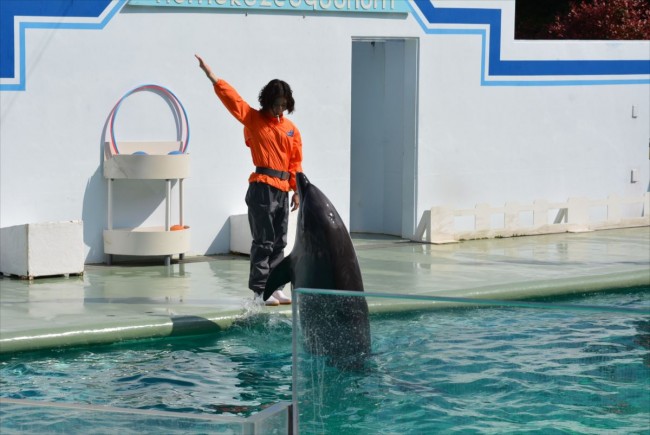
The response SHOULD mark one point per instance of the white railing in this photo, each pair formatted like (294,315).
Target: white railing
(447,225)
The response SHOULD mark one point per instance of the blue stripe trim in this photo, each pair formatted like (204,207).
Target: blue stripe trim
(24,25)
(497,67)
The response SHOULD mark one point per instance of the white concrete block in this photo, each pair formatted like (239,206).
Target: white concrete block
(42,249)
(240,234)
(241,239)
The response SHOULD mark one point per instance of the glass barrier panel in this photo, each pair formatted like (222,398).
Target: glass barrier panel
(274,420)
(29,416)
(447,365)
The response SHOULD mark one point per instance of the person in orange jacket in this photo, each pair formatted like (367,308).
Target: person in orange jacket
(276,148)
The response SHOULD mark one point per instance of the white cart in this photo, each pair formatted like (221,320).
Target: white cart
(164,240)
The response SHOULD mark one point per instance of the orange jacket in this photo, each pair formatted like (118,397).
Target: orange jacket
(274,143)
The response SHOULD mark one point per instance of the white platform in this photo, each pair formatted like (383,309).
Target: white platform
(146,241)
(42,249)
(443,224)
(147,167)
(241,239)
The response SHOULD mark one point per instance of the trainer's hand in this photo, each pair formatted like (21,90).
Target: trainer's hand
(295,202)
(206,69)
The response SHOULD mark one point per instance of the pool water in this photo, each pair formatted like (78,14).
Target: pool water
(491,370)
(237,372)
(469,370)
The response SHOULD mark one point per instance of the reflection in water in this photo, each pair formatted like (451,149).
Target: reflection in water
(130,285)
(50,298)
(643,339)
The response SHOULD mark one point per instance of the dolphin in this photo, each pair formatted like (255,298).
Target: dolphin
(323,257)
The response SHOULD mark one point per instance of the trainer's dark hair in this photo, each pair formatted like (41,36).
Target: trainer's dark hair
(273,90)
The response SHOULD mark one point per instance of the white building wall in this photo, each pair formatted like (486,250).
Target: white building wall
(522,143)
(476,143)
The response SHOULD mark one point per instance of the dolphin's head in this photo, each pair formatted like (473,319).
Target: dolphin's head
(317,218)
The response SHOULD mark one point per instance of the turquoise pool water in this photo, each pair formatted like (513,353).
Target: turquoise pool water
(492,370)
(238,372)
(460,370)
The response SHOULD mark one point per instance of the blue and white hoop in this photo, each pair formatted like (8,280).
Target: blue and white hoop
(180,112)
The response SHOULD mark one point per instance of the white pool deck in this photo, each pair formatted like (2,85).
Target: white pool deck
(205,294)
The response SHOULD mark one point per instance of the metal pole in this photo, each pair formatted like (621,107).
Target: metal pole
(180,201)
(110,204)
(167,203)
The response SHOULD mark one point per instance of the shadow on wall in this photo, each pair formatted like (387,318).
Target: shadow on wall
(93,215)
(221,242)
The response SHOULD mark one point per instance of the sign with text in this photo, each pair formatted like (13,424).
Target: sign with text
(341,6)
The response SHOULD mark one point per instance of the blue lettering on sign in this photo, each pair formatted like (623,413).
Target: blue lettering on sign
(16,16)
(497,67)
(370,6)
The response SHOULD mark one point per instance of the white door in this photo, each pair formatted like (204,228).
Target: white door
(384,136)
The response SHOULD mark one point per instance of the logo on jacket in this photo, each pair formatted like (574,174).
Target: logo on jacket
(290,133)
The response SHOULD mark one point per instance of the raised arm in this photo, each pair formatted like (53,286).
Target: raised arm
(206,69)
(226,93)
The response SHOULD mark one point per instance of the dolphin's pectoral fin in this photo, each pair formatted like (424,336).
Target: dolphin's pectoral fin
(280,275)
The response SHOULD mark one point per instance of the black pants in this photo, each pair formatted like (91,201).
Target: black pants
(268,216)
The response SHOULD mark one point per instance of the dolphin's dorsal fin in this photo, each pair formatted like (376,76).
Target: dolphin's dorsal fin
(280,275)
